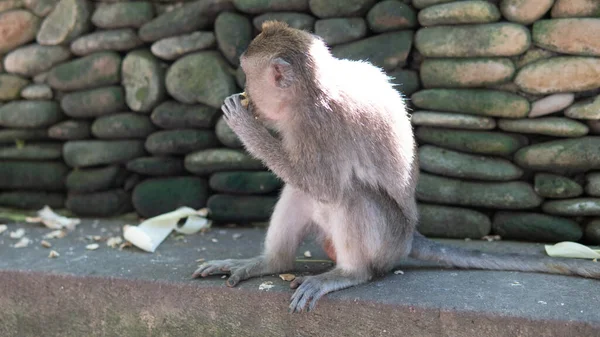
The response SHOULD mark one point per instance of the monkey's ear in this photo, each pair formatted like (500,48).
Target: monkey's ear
(282,73)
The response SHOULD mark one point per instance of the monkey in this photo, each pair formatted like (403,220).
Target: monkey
(346,153)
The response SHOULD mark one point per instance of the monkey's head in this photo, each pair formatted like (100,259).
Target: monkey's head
(280,65)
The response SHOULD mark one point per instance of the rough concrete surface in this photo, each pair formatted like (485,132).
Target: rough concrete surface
(111,292)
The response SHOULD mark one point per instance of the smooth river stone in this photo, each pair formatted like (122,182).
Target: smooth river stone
(561,156)
(405,81)
(17,27)
(240,208)
(96,179)
(465,73)
(39,151)
(33,59)
(494,195)
(245,182)
(82,153)
(125,125)
(337,8)
(575,8)
(586,109)
(479,40)
(262,6)
(555,186)
(592,186)
(11,86)
(551,104)
(37,92)
(549,126)
(577,73)
(525,11)
(536,227)
(573,207)
(452,120)
(172,48)
(202,77)
(452,222)
(68,20)
(390,15)
(94,102)
(29,114)
(233,32)
(33,175)
(387,50)
(32,200)
(190,17)
(175,115)
(568,36)
(99,204)
(455,164)
(180,142)
(295,20)
(156,196)
(336,31)
(594,126)
(91,71)
(157,166)
(209,161)
(532,55)
(70,130)
(480,142)
(132,14)
(491,103)
(104,40)
(9,136)
(459,12)
(592,232)
(143,78)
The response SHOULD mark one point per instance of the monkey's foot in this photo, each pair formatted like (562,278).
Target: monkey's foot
(238,269)
(311,288)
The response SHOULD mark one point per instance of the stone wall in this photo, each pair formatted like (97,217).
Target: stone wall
(113,106)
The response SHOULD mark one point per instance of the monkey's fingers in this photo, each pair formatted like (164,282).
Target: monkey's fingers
(296,282)
(309,290)
(207,269)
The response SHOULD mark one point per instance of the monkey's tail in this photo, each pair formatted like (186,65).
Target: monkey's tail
(429,250)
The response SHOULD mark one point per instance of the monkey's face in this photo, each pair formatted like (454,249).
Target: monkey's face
(268,98)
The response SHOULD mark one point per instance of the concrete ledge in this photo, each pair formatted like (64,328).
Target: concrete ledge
(108,292)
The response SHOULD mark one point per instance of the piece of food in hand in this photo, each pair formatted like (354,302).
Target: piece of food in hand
(245,101)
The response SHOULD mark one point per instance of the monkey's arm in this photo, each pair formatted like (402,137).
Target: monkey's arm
(261,144)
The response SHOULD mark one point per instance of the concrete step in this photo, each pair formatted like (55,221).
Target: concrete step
(111,292)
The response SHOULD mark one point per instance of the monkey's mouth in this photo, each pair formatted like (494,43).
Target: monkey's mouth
(246,100)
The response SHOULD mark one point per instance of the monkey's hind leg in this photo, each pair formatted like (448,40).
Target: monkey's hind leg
(289,224)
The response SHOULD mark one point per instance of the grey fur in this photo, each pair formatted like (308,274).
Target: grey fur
(348,157)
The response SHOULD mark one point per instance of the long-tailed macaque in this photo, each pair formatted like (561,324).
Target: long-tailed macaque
(347,155)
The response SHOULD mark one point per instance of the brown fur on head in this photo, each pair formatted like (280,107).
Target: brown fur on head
(278,63)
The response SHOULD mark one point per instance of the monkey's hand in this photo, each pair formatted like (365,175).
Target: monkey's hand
(239,270)
(237,115)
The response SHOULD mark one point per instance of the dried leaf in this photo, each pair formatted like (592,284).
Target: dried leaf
(266,285)
(114,241)
(54,221)
(45,244)
(24,242)
(57,234)
(92,246)
(19,233)
(287,277)
(53,254)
